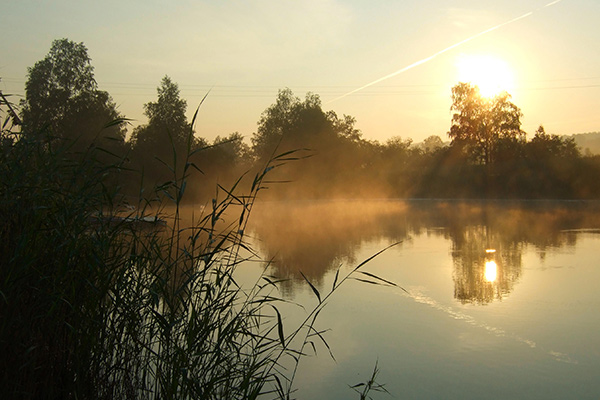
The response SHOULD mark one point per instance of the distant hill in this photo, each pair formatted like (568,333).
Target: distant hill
(587,142)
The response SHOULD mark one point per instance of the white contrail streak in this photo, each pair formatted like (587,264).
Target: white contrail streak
(423,61)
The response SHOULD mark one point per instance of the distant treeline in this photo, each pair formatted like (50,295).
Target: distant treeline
(488,154)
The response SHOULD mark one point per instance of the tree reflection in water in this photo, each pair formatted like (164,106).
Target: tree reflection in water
(475,263)
(315,237)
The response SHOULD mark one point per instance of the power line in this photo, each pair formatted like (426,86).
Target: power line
(256,91)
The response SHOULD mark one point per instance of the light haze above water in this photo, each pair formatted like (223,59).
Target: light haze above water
(502,297)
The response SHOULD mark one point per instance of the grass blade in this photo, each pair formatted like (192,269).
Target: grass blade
(314,289)
(279,327)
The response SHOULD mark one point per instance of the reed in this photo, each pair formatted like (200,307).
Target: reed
(98,301)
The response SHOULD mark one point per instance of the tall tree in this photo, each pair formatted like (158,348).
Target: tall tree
(62,98)
(167,136)
(292,124)
(167,114)
(479,123)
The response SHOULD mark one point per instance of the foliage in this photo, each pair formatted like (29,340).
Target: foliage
(487,158)
(546,146)
(166,117)
(432,144)
(479,123)
(99,302)
(293,123)
(488,155)
(49,262)
(556,165)
(233,149)
(227,158)
(331,142)
(290,123)
(62,97)
(166,134)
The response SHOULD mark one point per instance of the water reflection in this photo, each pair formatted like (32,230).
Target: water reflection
(491,268)
(486,240)
(316,237)
(491,271)
(480,275)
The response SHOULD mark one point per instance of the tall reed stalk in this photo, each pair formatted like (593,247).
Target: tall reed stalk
(95,306)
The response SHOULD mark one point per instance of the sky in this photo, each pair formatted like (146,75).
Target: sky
(389,64)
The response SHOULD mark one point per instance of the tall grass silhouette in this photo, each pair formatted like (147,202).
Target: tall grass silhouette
(103,300)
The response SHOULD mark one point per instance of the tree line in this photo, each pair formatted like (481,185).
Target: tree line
(488,156)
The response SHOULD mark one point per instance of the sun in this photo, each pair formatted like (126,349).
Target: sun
(491,74)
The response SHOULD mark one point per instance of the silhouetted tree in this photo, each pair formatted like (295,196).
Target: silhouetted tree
(479,123)
(545,146)
(291,123)
(294,124)
(224,161)
(395,161)
(166,137)
(62,98)
(432,144)
(553,163)
(232,151)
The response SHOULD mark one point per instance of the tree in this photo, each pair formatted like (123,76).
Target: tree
(291,123)
(479,123)
(231,151)
(295,124)
(223,162)
(556,166)
(167,132)
(167,114)
(432,144)
(274,123)
(546,146)
(62,98)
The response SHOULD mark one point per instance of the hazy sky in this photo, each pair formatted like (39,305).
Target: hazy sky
(247,50)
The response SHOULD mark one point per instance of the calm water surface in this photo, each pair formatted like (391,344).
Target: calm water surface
(502,298)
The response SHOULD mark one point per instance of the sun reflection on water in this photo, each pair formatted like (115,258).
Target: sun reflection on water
(491,271)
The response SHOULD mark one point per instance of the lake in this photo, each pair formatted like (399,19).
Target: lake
(501,299)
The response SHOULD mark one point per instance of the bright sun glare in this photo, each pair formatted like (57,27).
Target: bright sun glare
(491,74)
(491,271)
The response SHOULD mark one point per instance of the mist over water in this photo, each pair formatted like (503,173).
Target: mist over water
(316,237)
(142,235)
(500,295)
